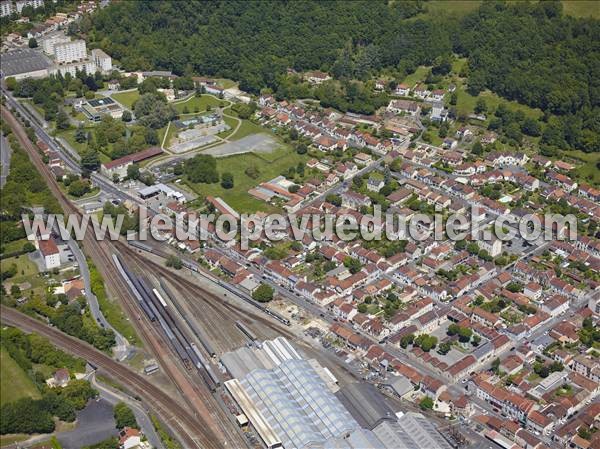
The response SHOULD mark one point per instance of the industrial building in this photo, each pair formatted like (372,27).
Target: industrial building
(118,167)
(284,397)
(410,431)
(94,109)
(25,63)
(365,404)
(290,404)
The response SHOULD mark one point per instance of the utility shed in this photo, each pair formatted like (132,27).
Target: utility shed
(365,404)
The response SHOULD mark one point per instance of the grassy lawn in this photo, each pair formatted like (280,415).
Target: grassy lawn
(419,75)
(466,103)
(238,197)
(69,136)
(247,128)
(232,122)
(198,104)
(581,8)
(14,246)
(455,7)
(588,172)
(126,98)
(226,83)
(5,440)
(111,309)
(14,382)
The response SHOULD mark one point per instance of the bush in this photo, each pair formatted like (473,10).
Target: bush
(124,416)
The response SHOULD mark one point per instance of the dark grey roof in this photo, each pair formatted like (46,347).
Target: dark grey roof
(365,404)
(411,431)
(23,61)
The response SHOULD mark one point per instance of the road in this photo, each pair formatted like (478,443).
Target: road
(122,347)
(5,154)
(141,415)
(69,160)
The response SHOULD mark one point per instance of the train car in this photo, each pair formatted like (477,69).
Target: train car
(277,316)
(159,297)
(140,245)
(199,333)
(242,327)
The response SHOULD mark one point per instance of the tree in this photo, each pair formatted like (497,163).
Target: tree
(480,106)
(264,293)
(334,199)
(80,135)
(426,403)
(464,334)
(133,171)
(353,264)
(90,160)
(252,172)
(79,187)
(33,43)
(202,168)
(124,416)
(153,111)
(174,262)
(126,117)
(496,365)
(301,148)
(11,83)
(62,120)
(227,180)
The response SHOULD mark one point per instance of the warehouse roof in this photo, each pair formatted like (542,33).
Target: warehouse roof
(358,439)
(23,61)
(297,404)
(244,360)
(411,431)
(252,413)
(365,404)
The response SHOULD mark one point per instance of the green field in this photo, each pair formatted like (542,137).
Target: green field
(238,198)
(198,104)
(419,75)
(587,172)
(575,8)
(14,382)
(69,136)
(226,83)
(466,103)
(247,128)
(111,309)
(450,7)
(126,98)
(581,8)
(14,246)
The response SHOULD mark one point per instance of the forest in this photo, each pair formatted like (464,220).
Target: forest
(526,51)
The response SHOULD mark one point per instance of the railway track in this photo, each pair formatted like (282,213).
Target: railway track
(180,419)
(226,310)
(203,433)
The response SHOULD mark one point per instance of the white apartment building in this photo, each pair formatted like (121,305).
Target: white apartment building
(6,8)
(82,66)
(70,51)
(102,61)
(49,43)
(33,3)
